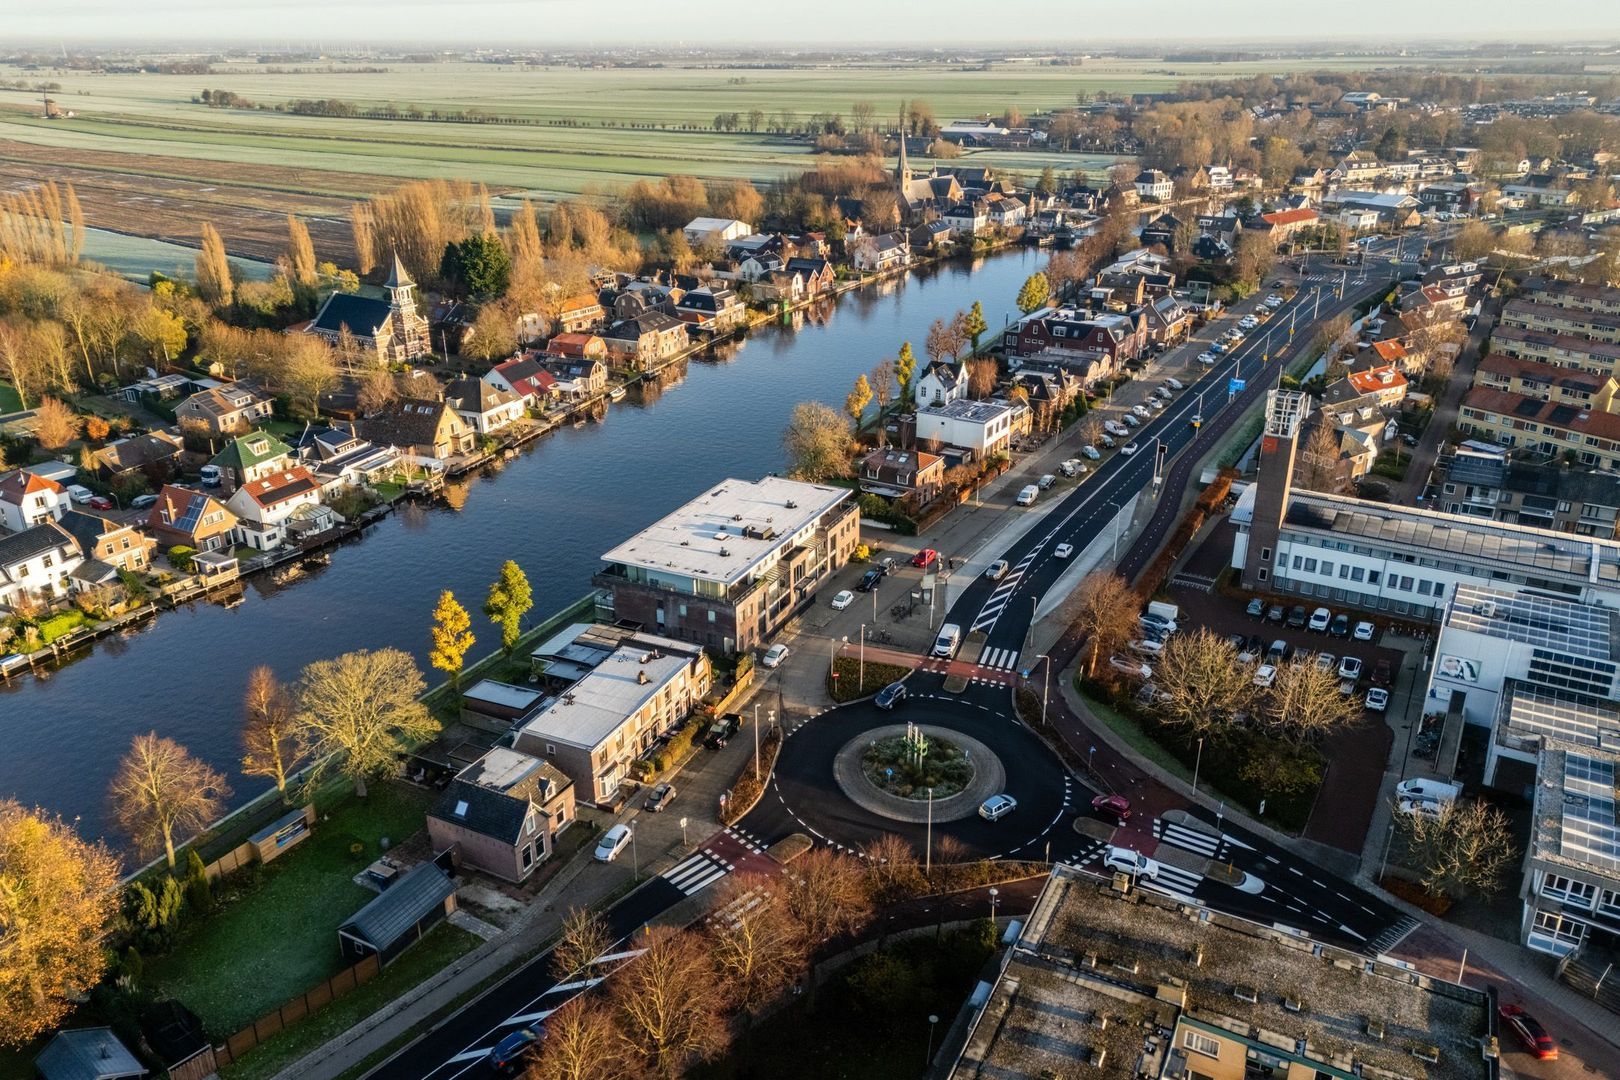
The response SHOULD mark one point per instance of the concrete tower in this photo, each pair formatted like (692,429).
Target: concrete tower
(1285,412)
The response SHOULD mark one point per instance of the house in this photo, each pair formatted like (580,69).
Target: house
(120,546)
(189,518)
(1219,178)
(1007,213)
(1542,427)
(417,900)
(502,814)
(265,507)
(153,454)
(732,566)
(389,331)
(1168,320)
(984,427)
(780,286)
(707,230)
(632,697)
(819,275)
(1285,223)
(1153,184)
(896,473)
(1358,219)
(757,265)
(87,1054)
(880,253)
(250,457)
(712,308)
(1481,482)
(226,410)
(577,347)
(968,218)
(486,407)
(578,379)
(940,383)
(1548,382)
(1564,350)
(425,429)
(1162,232)
(1384,386)
(930,237)
(339,458)
(27,499)
(36,565)
(528,378)
(1116,336)
(636,343)
(579,313)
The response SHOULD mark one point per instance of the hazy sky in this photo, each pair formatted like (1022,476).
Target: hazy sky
(339,23)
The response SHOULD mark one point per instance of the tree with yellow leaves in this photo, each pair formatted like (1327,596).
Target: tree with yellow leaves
(452,636)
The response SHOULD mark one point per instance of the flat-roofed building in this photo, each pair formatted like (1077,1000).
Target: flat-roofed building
(1114,985)
(1571,888)
(729,568)
(985,427)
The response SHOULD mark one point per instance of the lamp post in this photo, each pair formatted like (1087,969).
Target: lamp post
(1118,509)
(756,742)
(863,656)
(993,894)
(1199,760)
(933,1019)
(928,844)
(635,860)
(1046,681)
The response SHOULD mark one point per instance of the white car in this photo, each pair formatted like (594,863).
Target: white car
(1326,661)
(1141,410)
(1274,300)
(79,493)
(1128,449)
(996,570)
(1071,467)
(1063,551)
(1364,631)
(1377,699)
(774,656)
(1156,405)
(1148,646)
(1265,675)
(1175,384)
(1130,666)
(997,807)
(1125,861)
(1250,884)
(1350,668)
(1162,392)
(1091,452)
(1320,619)
(613,841)
(1207,359)
(843,600)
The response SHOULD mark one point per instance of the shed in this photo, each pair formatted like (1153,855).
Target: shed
(496,706)
(410,907)
(87,1054)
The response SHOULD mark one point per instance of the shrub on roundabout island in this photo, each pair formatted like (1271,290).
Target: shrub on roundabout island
(911,764)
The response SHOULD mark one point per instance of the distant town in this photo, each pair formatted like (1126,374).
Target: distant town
(1131,590)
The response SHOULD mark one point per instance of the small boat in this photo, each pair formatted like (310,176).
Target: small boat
(617,394)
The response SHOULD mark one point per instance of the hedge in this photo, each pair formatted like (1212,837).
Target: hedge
(878,676)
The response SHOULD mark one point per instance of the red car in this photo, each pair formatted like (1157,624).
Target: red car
(100,502)
(1116,806)
(1531,1035)
(925,558)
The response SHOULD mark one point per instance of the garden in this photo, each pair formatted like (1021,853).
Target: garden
(916,765)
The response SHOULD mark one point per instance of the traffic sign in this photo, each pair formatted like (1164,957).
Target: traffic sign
(1235,386)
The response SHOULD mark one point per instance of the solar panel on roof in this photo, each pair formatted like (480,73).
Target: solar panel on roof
(1588,831)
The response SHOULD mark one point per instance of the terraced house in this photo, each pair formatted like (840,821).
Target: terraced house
(1564,350)
(1553,428)
(1551,319)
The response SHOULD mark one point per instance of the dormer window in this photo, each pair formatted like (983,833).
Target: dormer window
(461,808)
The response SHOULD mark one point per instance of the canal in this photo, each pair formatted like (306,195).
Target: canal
(554,509)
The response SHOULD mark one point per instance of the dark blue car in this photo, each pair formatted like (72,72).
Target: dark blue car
(891,695)
(513,1050)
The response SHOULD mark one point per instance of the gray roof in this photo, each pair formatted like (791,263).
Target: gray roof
(87,1054)
(483,810)
(417,893)
(30,542)
(476,395)
(363,315)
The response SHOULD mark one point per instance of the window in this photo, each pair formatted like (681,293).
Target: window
(1263,574)
(1344,570)
(1265,554)
(1310,566)
(1200,1043)
(528,856)
(1439,589)
(1297,561)
(551,748)
(1424,586)
(1327,568)
(1373,576)
(1356,573)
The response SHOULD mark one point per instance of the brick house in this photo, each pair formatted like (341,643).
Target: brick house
(502,814)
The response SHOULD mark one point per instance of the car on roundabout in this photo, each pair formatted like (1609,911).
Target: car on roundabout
(997,807)
(891,695)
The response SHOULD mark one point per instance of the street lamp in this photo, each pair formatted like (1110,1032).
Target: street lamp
(1046,681)
(635,860)
(863,656)
(993,894)
(928,844)
(1199,760)
(929,1056)
(756,742)
(1118,509)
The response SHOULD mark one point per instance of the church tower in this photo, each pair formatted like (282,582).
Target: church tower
(409,337)
(902,168)
(1285,412)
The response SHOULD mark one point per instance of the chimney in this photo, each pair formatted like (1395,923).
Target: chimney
(641,677)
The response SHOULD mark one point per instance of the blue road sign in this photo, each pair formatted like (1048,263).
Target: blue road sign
(1235,386)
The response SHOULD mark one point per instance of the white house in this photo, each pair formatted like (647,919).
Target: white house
(985,427)
(876,254)
(1220,178)
(487,408)
(1153,184)
(36,565)
(940,384)
(28,499)
(703,229)
(967,218)
(264,508)
(1007,213)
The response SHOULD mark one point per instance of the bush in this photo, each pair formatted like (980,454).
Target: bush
(845,688)
(182,558)
(60,625)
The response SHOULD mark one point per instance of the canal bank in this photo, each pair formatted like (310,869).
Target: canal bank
(554,508)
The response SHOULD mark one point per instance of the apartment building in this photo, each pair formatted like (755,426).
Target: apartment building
(1481,482)
(1562,350)
(984,427)
(1542,426)
(1533,314)
(729,568)
(1547,382)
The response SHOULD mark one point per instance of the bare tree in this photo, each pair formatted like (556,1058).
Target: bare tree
(827,893)
(1107,614)
(1203,684)
(272,741)
(1305,703)
(759,948)
(582,1043)
(55,425)
(670,1002)
(584,937)
(818,440)
(361,711)
(377,391)
(1466,846)
(1317,467)
(308,370)
(892,865)
(982,373)
(1091,430)
(160,789)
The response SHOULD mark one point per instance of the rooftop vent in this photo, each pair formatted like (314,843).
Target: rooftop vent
(641,678)
(1293,1004)
(791,505)
(1375,1029)
(1246,993)
(461,808)
(1425,1052)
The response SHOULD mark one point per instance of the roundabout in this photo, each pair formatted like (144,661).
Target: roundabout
(856,773)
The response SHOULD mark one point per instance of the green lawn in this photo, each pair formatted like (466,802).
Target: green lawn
(277,935)
(9,401)
(443,944)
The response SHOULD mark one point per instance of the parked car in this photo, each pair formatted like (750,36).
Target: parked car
(1350,668)
(660,797)
(1175,384)
(1091,452)
(1326,661)
(1364,631)
(1063,551)
(1046,481)
(1027,495)
(1528,1030)
(1139,410)
(1341,625)
(1128,449)
(997,807)
(1276,613)
(1256,608)
(1320,619)
(141,502)
(613,841)
(511,1052)
(1207,358)
(1296,617)
(1265,675)
(1131,420)
(869,581)
(996,570)
(99,502)
(1071,467)
(1162,393)
(842,600)
(925,558)
(774,655)
(1148,646)
(1130,666)
(1117,807)
(1108,441)
(1382,674)
(79,493)
(1125,861)
(1277,652)
(1154,621)
(721,731)
(890,696)
(1377,699)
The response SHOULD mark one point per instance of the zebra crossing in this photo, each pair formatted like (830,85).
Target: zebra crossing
(999,659)
(1172,881)
(1392,936)
(697,872)
(1194,840)
(993,607)
(747,839)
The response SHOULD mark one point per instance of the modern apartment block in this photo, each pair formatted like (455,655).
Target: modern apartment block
(729,568)
(1481,482)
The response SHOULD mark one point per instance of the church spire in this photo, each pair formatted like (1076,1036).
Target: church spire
(902,169)
(398,278)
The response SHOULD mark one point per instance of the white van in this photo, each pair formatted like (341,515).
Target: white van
(949,640)
(1437,792)
(1028,495)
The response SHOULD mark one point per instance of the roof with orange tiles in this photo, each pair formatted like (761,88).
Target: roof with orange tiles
(1555,414)
(1512,367)
(1289,217)
(1390,350)
(1374,380)
(14,487)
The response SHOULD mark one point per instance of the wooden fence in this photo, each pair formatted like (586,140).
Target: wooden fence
(309,1001)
